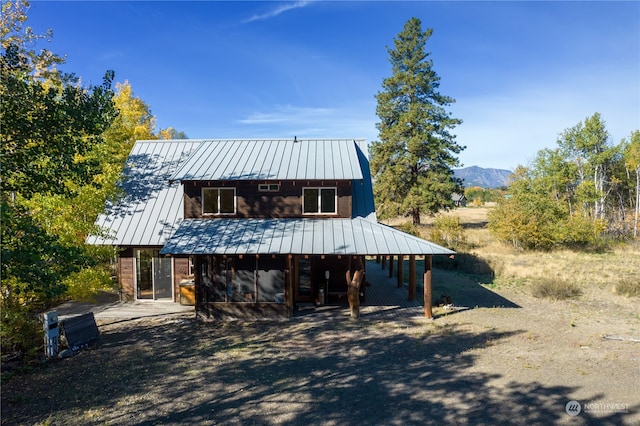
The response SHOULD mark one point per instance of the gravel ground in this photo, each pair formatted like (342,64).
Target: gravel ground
(485,365)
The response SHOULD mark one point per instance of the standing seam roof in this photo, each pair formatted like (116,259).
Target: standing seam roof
(291,160)
(151,208)
(295,236)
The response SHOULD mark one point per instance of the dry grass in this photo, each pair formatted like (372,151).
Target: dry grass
(616,270)
(555,289)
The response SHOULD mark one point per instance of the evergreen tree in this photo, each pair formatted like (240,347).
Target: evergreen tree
(413,162)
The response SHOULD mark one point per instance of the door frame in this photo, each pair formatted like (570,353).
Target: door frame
(155,255)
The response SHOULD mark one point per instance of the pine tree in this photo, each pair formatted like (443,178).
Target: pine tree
(413,162)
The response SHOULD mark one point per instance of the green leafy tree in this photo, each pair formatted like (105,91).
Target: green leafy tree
(587,147)
(413,162)
(49,124)
(632,163)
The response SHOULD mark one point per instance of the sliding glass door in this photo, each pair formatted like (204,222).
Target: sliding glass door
(153,276)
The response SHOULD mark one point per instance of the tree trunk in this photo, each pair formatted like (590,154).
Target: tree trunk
(353,292)
(415,214)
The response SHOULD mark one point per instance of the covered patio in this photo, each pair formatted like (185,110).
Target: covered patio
(385,300)
(253,268)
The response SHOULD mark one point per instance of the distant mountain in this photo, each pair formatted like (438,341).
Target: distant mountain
(485,178)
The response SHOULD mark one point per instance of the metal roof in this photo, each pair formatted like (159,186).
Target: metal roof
(151,208)
(277,159)
(355,236)
(362,202)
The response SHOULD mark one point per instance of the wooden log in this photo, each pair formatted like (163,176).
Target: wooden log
(400,271)
(428,297)
(353,291)
(412,278)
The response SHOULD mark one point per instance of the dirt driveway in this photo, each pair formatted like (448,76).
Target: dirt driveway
(486,365)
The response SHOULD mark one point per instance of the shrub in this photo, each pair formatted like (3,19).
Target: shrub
(408,228)
(85,284)
(628,288)
(555,289)
(21,332)
(464,262)
(448,231)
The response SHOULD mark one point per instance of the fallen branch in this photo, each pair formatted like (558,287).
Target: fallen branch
(625,339)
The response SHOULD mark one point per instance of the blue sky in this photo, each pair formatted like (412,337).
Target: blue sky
(521,72)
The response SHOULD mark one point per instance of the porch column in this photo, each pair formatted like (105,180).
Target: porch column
(289,287)
(400,270)
(390,266)
(412,278)
(428,313)
(383,262)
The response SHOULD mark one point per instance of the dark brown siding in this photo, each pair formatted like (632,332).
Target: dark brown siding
(251,203)
(180,272)
(125,275)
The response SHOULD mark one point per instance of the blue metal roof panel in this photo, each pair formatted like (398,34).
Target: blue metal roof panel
(295,236)
(279,159)
(151,207)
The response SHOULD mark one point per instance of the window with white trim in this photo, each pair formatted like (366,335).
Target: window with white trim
(218,201)
(319,200)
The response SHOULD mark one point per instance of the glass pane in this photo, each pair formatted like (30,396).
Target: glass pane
(304,276)
(162,277)
(328,200)
(209,201)
(144,274)
(310,200)
(227,200)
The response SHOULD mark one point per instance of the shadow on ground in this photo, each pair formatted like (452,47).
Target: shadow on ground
(338,372)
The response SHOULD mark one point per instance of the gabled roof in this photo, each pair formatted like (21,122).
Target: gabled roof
(151,212)
(276,159)
(151,208)
(356,236)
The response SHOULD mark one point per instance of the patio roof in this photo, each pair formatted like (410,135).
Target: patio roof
(355,236)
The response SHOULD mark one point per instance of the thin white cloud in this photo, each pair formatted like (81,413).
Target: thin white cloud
(342,122)
(277,11)
(287,114)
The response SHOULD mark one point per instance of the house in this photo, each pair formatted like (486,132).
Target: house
(459,200)
(257,227)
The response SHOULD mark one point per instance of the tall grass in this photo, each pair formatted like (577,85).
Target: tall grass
(616,269)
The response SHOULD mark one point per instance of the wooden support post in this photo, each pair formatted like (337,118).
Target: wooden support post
(428,297)
(412,278)
(383,263)
(290,277)
(390,266)
(400,270)
(378,259)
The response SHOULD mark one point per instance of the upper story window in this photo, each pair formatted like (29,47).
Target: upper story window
(218,201)
(319,200)
(269,187)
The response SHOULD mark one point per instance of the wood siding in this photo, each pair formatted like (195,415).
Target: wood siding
(180,273)
(251,203)
(126,271)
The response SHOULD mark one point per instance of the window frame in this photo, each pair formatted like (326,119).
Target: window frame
(268,187)
(319,211)
(217,189)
